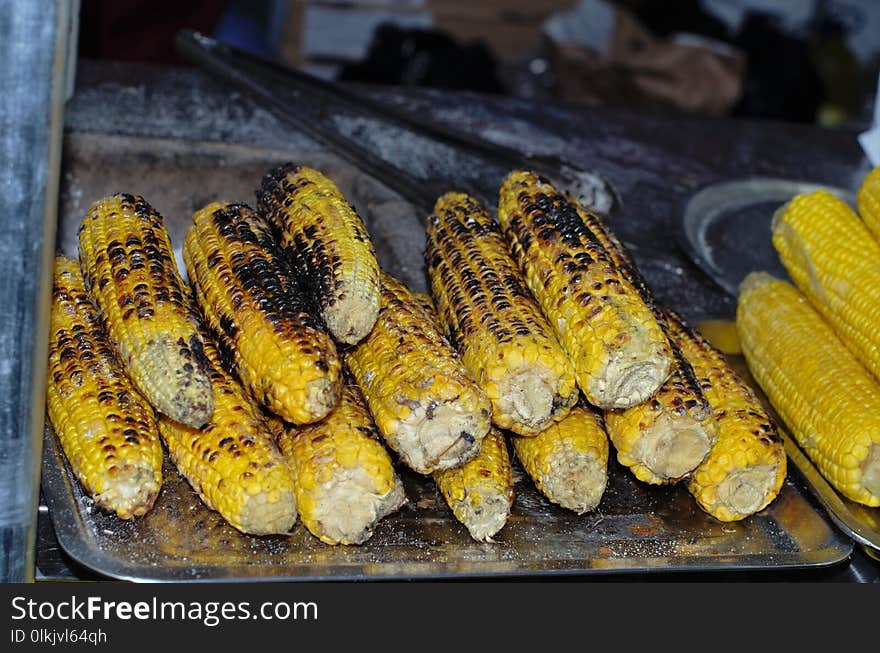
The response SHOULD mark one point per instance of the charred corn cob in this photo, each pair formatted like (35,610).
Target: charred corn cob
(619,352)
(830,403)
(665,438)
(233,462)
(107,430)
(343,477)
(425,405)
(281,351)
(833,259)
(480,492)
(130,272)
(746,466)
(425,300)
(568,462)
(492,319)
(328,245)
(868,199)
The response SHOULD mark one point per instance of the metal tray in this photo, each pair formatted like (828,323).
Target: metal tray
(726,230)
(636,528)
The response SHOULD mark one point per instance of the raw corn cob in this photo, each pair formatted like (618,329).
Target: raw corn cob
(106,428)
(835,261)
(328,245)
(343,477)
(492,319)
(620,354)
(663,439)
(868,200)
(746,466)
(480,492)
(829,402)
(281,352)
(568,462)
(425,405)
(130,272)
(233,462)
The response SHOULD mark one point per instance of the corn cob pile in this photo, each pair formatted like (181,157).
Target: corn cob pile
(813,344)
(293,375)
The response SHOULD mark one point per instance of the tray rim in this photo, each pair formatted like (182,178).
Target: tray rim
(73,541)
(747,190)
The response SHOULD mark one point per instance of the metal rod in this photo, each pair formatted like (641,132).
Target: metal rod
(205,52)
(504,157)
(34,55)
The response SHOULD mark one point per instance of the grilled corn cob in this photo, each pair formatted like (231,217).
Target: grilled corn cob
(130,272)
(343,477)
(328,244)
(827,399)
(106,428)
(425,405)
(425,300)
(665,438)
(480,492)
(746,466)
(232,462)
(620,354)
(834,260)
(568,462)
(281,351)
(492,319)
(868,199)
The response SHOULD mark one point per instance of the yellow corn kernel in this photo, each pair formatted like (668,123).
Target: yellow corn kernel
(425,405)
(329,247)
(344,479)
(668,436)
(232,462)
(130,272)
(568,462)
(620,354)
(280,350)
(868,201)
(834,260)
(746,467)
(480,492)
(107,430)
(828,400)
(492,319)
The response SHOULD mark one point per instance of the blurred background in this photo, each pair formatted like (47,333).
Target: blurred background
(807,61)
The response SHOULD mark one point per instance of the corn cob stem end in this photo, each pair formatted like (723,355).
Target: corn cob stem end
(487,518)
(746,490)
(348,508)
(441,437)
(579,482)
(132,490)
(351,318)
(672,448)
(628,380)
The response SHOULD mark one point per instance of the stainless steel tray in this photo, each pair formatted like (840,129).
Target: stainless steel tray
(726,226)
(726,230)
(636,528)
